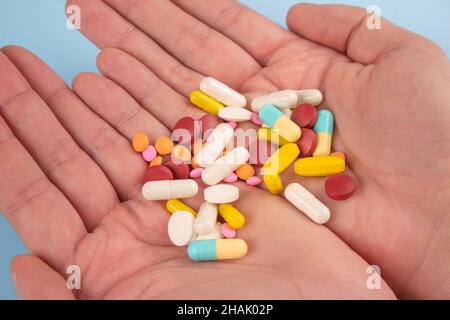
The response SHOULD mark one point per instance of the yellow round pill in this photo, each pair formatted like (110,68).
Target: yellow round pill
(182,153)
(140,142)
(164,145)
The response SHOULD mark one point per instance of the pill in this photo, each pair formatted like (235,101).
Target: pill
(273,183)
(214,145)
(255,119)
(339,155)
(271,135)
(275,119)
(225,166)
(305,201)
(206,218)
(280,99)
(223,93)
(311,96)
(227,231)
(260,151)
(232,216)
(149,153)
(221,193)
(307,143)
(156,162)
(221,249)
(209,123)
(157,173)
(205,102)
(216,234)
(174,205)
(196,173)
(180,170)
(281,159)
(164,145)
(181,154)
(235,114)
(305,115)
(339,187)
(319,166)
(245,171)
(231,178)
(140,142)
(185,130)
(324,129)
(180,228)
(169,189)
(254,181)
(198,144)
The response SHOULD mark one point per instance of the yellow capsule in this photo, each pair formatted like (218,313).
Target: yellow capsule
(319,166)
(281,159)
(205,102)
(273,183)
(270,135)
(232,216)
(174,205)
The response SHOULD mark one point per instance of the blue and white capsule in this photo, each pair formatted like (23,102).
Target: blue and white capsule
(217,249)
(324,129)
(277,120)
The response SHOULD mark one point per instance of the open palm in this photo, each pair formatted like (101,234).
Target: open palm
(78,201)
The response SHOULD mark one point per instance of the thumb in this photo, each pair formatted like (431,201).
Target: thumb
(34,280)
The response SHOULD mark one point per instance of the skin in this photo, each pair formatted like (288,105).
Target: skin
(73,191)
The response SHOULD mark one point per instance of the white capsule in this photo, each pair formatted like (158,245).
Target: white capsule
(169,189)
(284,99)
(206,218)
(235,114)
(216,234)
(225,166)
(221,193)
(181,228)
(216,142)
(311,96)
(222,93)
(305,201)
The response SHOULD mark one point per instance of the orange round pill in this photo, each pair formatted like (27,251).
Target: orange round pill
(338,154)
(156,162)
(140,142)
(164,145)
(245,171)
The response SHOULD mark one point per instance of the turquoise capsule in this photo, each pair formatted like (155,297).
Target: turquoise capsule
(202,250)
(275,119)
(325,122)
(220,249)
(269,114)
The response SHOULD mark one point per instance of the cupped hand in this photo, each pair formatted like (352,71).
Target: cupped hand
(90,212)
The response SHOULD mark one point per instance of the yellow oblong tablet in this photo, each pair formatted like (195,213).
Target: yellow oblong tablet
(281,159)
(273,183)
(319,166)
(232,216)
(205,102)
(174,205)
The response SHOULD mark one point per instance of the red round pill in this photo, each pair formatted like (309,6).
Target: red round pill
(156,173)
(305,115)
(209,122)
(307,143)
(179,169)
(340,187)
(188,124)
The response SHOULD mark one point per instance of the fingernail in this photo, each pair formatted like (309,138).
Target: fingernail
(16,285)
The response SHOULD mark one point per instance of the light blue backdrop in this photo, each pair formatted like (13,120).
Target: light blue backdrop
(40,26)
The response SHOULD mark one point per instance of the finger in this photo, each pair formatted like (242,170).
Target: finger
(150,92)
(255,33)
(34,280)
(44,219)
(345,29)
(115,106)
(189,40)
(110,150)
(58,155)
(106,28)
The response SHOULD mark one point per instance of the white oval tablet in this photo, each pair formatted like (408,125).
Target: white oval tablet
(206,218)
(181,228)
(311,96)
(216,234)
(222,93)
(221,193)
(235,114)
(280,99)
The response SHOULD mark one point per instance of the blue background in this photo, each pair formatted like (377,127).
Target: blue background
(40,26)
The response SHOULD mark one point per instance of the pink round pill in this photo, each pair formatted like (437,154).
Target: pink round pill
(231,178)
(232,124)
(255,119)
(227,231)
(254,181)
(196,173)
(149,153)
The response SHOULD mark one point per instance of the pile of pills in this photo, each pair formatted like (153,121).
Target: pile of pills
(291,131)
